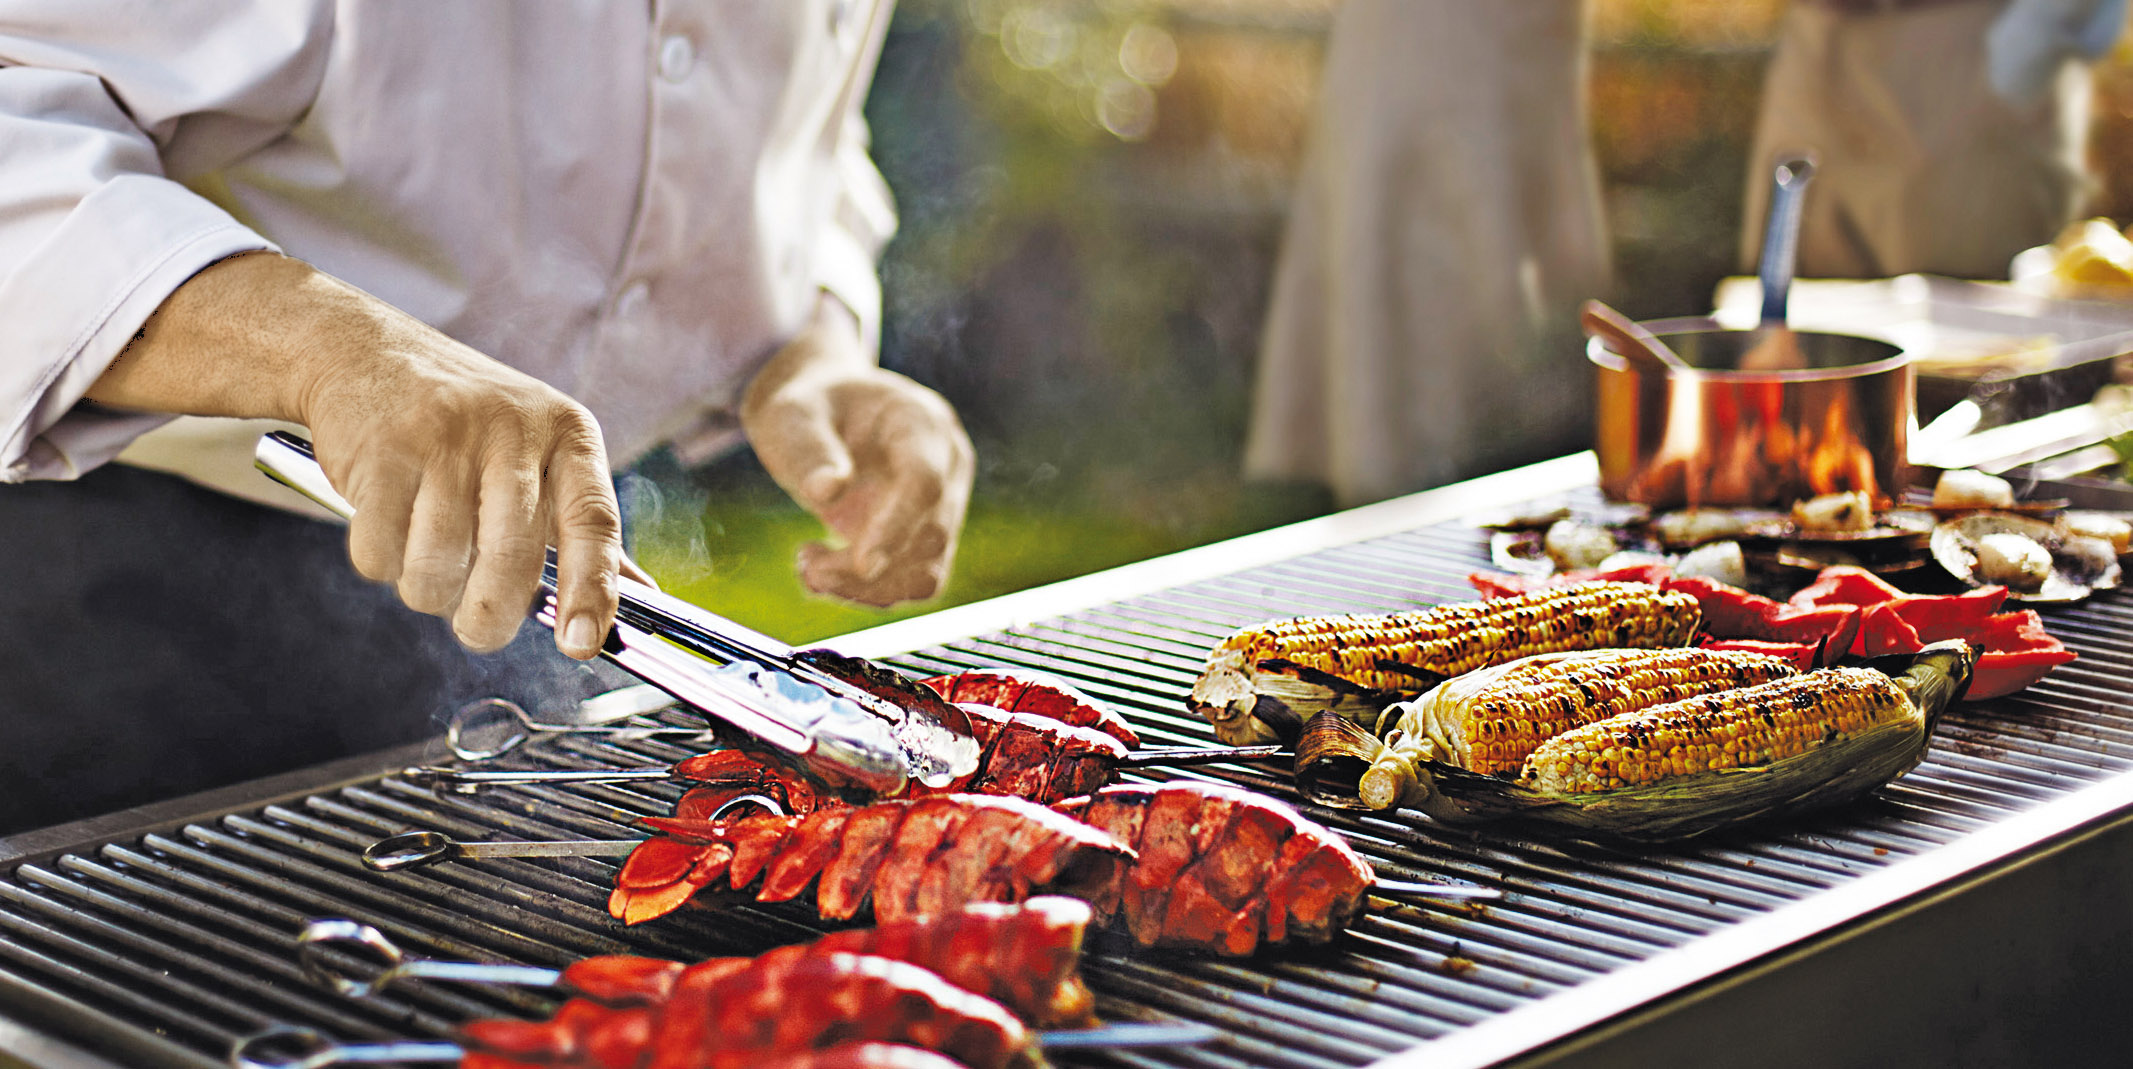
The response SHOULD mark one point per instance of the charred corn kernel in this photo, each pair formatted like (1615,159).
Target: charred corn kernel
(1743,728)
(1503,723)
(1451,639)
(1490,720)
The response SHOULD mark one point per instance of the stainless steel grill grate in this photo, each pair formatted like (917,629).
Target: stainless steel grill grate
(159,946)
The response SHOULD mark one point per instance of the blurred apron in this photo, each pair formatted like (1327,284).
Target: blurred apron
(1445,226)
(1920,165)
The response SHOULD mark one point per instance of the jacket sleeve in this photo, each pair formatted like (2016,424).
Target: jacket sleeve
(863,217)
(105,107)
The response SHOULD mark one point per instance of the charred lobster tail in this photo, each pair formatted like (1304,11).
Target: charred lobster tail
(907,857)
(1220,868)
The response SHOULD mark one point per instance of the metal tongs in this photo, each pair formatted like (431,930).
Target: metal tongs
(752,682)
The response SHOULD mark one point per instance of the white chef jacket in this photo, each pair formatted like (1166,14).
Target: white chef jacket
(635,202)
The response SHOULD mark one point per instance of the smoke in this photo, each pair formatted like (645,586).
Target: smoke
(663,528)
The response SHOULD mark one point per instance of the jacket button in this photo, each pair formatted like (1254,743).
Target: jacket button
(676,57)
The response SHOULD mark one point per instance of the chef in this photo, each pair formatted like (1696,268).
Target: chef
(481,251)
(1949,134)
(1423,323)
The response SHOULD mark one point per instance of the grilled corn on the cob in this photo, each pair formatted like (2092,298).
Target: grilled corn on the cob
(1489,721)
(1745,728)
(1263,682)
(1682,769)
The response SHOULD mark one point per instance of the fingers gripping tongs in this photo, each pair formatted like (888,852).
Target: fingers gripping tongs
(740,677)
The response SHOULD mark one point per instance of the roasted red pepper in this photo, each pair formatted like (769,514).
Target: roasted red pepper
(2015,650)
(1730,612)
(1930,617)
(1847,610)
(2018,652)
(1510,584)
(1845,585)
(1883,630)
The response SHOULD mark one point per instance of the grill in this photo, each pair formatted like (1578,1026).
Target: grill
(157,943)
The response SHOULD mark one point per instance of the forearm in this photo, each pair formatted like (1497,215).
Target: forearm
(828,344)
(245,337)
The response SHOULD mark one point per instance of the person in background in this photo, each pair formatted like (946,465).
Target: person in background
(1445,226)
(480,251)
(1949,135)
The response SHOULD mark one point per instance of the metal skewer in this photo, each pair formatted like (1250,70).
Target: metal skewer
(294,1047)
(320,935)
(1431,891)
(1201,755)
(304,1048)
(468,780)
(285,1046)
(485,718)
(412,848)
(471,779)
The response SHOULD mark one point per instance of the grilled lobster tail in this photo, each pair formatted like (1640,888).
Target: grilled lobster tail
(911,857)
(1218,868)
(1222,868)
(1033,694)
(1027,957)
(746,1013)
(1038,739)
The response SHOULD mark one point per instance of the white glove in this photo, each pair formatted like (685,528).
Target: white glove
(2032,39)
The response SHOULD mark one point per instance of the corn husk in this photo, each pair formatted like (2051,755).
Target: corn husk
(1332,754)
(1688,806)
(1418,731)
(1270,700)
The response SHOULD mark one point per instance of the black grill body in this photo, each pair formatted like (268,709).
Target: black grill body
(1964,911)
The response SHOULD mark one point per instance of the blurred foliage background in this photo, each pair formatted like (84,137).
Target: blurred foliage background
(1092,194)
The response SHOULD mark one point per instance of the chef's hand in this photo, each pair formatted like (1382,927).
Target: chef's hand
(882,460)
(461,470)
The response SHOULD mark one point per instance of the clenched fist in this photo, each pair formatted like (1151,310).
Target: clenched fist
(461,470)
(882,460)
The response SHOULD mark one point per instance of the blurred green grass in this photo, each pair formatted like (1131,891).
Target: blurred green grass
(726,539)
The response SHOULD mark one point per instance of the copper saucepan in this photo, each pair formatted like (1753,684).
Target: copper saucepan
(1720,435)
